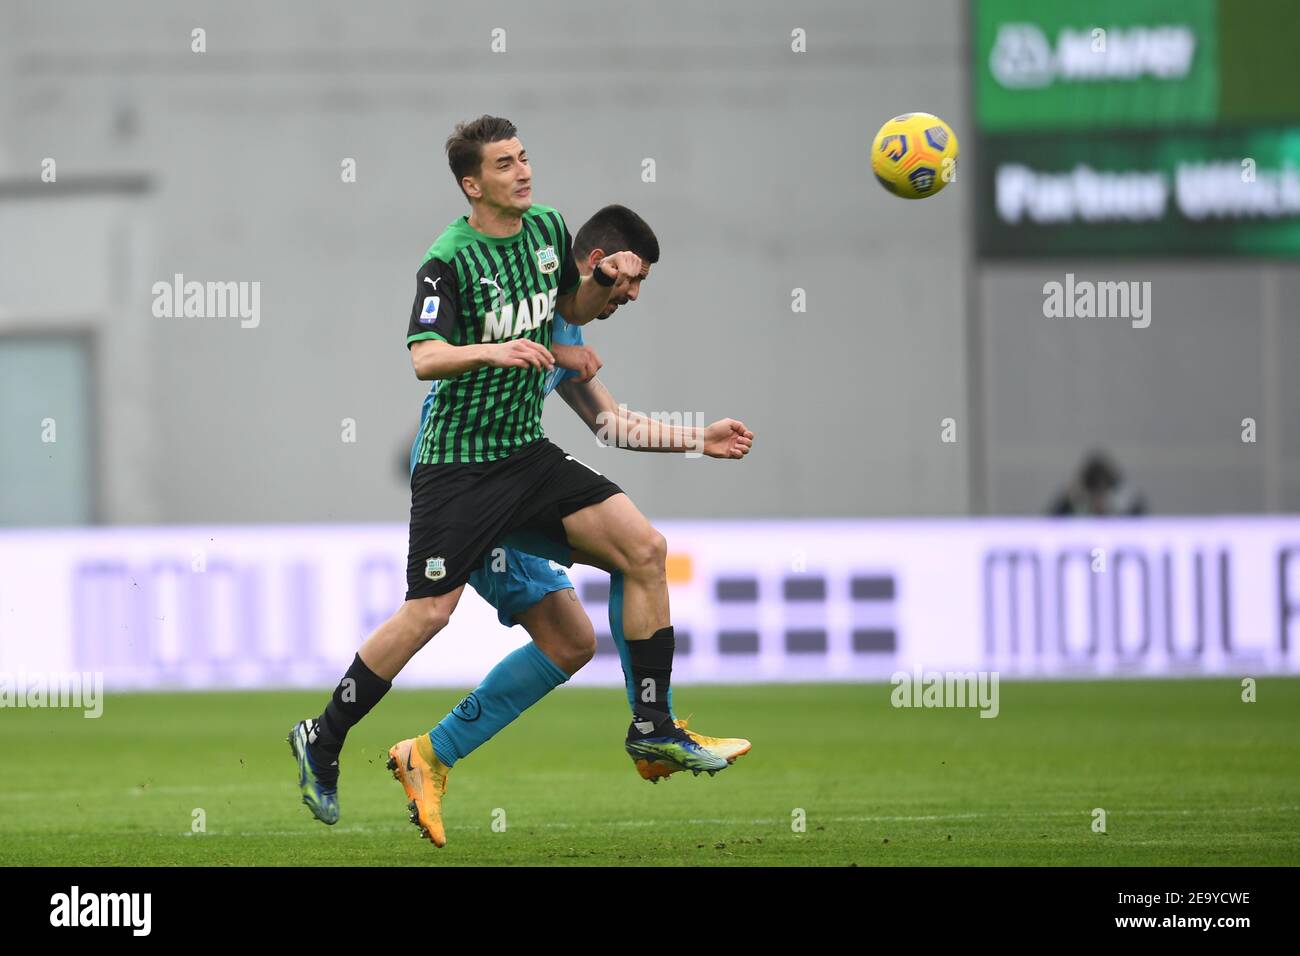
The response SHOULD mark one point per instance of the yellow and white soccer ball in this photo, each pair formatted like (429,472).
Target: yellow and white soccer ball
(914,155)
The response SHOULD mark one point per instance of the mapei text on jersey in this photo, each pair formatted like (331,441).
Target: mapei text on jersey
(524,315)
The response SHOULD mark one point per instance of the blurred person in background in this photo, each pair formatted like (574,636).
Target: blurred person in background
(1099,489)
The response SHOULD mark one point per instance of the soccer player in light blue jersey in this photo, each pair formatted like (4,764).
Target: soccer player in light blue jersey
(529,589)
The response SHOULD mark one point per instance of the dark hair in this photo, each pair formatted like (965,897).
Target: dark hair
(465,144)
(1099,473)
(614,229)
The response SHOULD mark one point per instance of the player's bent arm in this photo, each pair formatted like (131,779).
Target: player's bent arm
(615,425)
(436,359)
(589,299)
(648,434)
(584,303)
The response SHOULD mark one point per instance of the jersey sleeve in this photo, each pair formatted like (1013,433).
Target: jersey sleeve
(435,312)
(557,377)
(562,334)
(569,276)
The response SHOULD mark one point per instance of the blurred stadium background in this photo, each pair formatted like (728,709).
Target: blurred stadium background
(188,503)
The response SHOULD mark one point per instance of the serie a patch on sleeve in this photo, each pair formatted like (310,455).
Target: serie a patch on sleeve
(429,314)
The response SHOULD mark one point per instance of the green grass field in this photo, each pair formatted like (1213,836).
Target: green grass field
(1187,773)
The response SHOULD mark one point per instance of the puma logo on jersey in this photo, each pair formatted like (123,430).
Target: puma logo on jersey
(433,282)
(500,295)
(524,316)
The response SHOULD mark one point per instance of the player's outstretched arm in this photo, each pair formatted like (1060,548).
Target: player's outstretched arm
(435,359)
(615,424)
(592,295)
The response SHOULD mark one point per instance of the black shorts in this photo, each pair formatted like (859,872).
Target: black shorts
(459,512)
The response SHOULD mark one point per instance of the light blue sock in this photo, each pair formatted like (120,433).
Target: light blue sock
(620,641)
(519,680)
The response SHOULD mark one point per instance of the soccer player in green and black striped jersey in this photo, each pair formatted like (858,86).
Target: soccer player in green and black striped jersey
(486,295)
(505,288)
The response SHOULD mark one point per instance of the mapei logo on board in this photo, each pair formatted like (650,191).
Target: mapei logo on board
(1023,56)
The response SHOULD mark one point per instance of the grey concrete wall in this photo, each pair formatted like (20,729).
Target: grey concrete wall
(762,185)
(1168,401)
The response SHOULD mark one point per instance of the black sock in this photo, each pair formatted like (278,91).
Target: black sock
(358,691)
(652,669)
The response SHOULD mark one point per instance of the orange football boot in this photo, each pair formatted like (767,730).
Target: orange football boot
(424,778)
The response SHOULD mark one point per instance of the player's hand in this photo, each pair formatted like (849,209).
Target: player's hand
(727,438)
(578,358)
(623,268)
(520,353)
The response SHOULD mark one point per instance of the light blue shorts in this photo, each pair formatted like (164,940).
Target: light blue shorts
(513,581)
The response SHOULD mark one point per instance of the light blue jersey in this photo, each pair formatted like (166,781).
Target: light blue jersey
(562,334)
(520,579)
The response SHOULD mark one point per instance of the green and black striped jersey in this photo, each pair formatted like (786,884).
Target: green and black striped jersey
(474,288)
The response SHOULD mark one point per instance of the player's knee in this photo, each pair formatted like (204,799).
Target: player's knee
(427,616)
(581,649)
(572,658)
(571,644)
(647,554)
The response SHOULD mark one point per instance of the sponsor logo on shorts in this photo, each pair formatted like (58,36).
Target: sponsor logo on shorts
(435,569)
(547,261)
